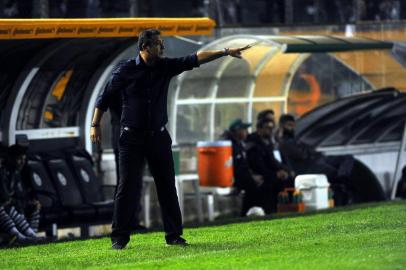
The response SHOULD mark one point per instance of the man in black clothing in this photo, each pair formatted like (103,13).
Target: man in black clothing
(304,159)
(143,84)
(244,177)
(277,176)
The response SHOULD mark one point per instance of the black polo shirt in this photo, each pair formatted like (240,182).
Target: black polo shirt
(144,90)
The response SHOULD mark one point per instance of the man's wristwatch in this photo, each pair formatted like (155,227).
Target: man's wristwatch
(226,51)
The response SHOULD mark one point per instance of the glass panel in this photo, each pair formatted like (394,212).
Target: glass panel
(313,86)
(272,79)
(235,80)
(226,113)
(238,75)
(193,123)
(196,83)
(257,54)
(53,112)
(379,68)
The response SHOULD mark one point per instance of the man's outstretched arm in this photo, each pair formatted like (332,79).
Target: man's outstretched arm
(208,56)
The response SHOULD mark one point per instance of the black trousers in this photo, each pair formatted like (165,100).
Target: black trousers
(155,148)
(115,142)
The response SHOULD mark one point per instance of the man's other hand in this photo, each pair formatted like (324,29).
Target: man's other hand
(258,179)
(95,134)
(282,174)
(236,52)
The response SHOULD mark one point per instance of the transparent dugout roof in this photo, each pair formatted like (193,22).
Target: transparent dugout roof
(286,73)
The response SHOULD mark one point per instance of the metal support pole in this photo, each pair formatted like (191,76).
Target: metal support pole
(133,8)
(180,193)
(40,8)
(210,206)
(44,8)
(219,9)
(399,161)
(147,204)
(198,198)
(288,11)
(206,8)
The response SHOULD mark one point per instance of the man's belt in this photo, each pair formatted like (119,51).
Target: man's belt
(146,132)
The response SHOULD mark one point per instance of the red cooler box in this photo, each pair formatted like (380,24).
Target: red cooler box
(215,163)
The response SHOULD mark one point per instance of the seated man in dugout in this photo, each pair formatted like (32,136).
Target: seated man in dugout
(244,177)
(277,176)
(19,211)
(304,159)
(268,115)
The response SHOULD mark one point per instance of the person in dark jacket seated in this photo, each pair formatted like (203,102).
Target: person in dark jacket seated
(276,175)
(15,201)
(244,177)
(304,159)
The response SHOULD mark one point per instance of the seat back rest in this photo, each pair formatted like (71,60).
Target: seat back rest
(89,184)
(42,184)
(63,179)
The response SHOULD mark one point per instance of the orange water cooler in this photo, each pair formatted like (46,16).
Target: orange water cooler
(215,163)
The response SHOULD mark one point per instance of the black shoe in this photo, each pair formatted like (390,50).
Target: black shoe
(119,243)
(25,241)
(177,241)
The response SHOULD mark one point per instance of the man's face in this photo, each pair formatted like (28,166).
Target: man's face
(242,134)
(156,49)
(19,162)
(267,129)
(270,117)
(289,126)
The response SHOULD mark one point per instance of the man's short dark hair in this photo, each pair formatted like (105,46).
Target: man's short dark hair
(262,114)
(16,150)
(286,118)
(147,37)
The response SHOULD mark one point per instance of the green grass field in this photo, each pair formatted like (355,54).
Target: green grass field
(371,236)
